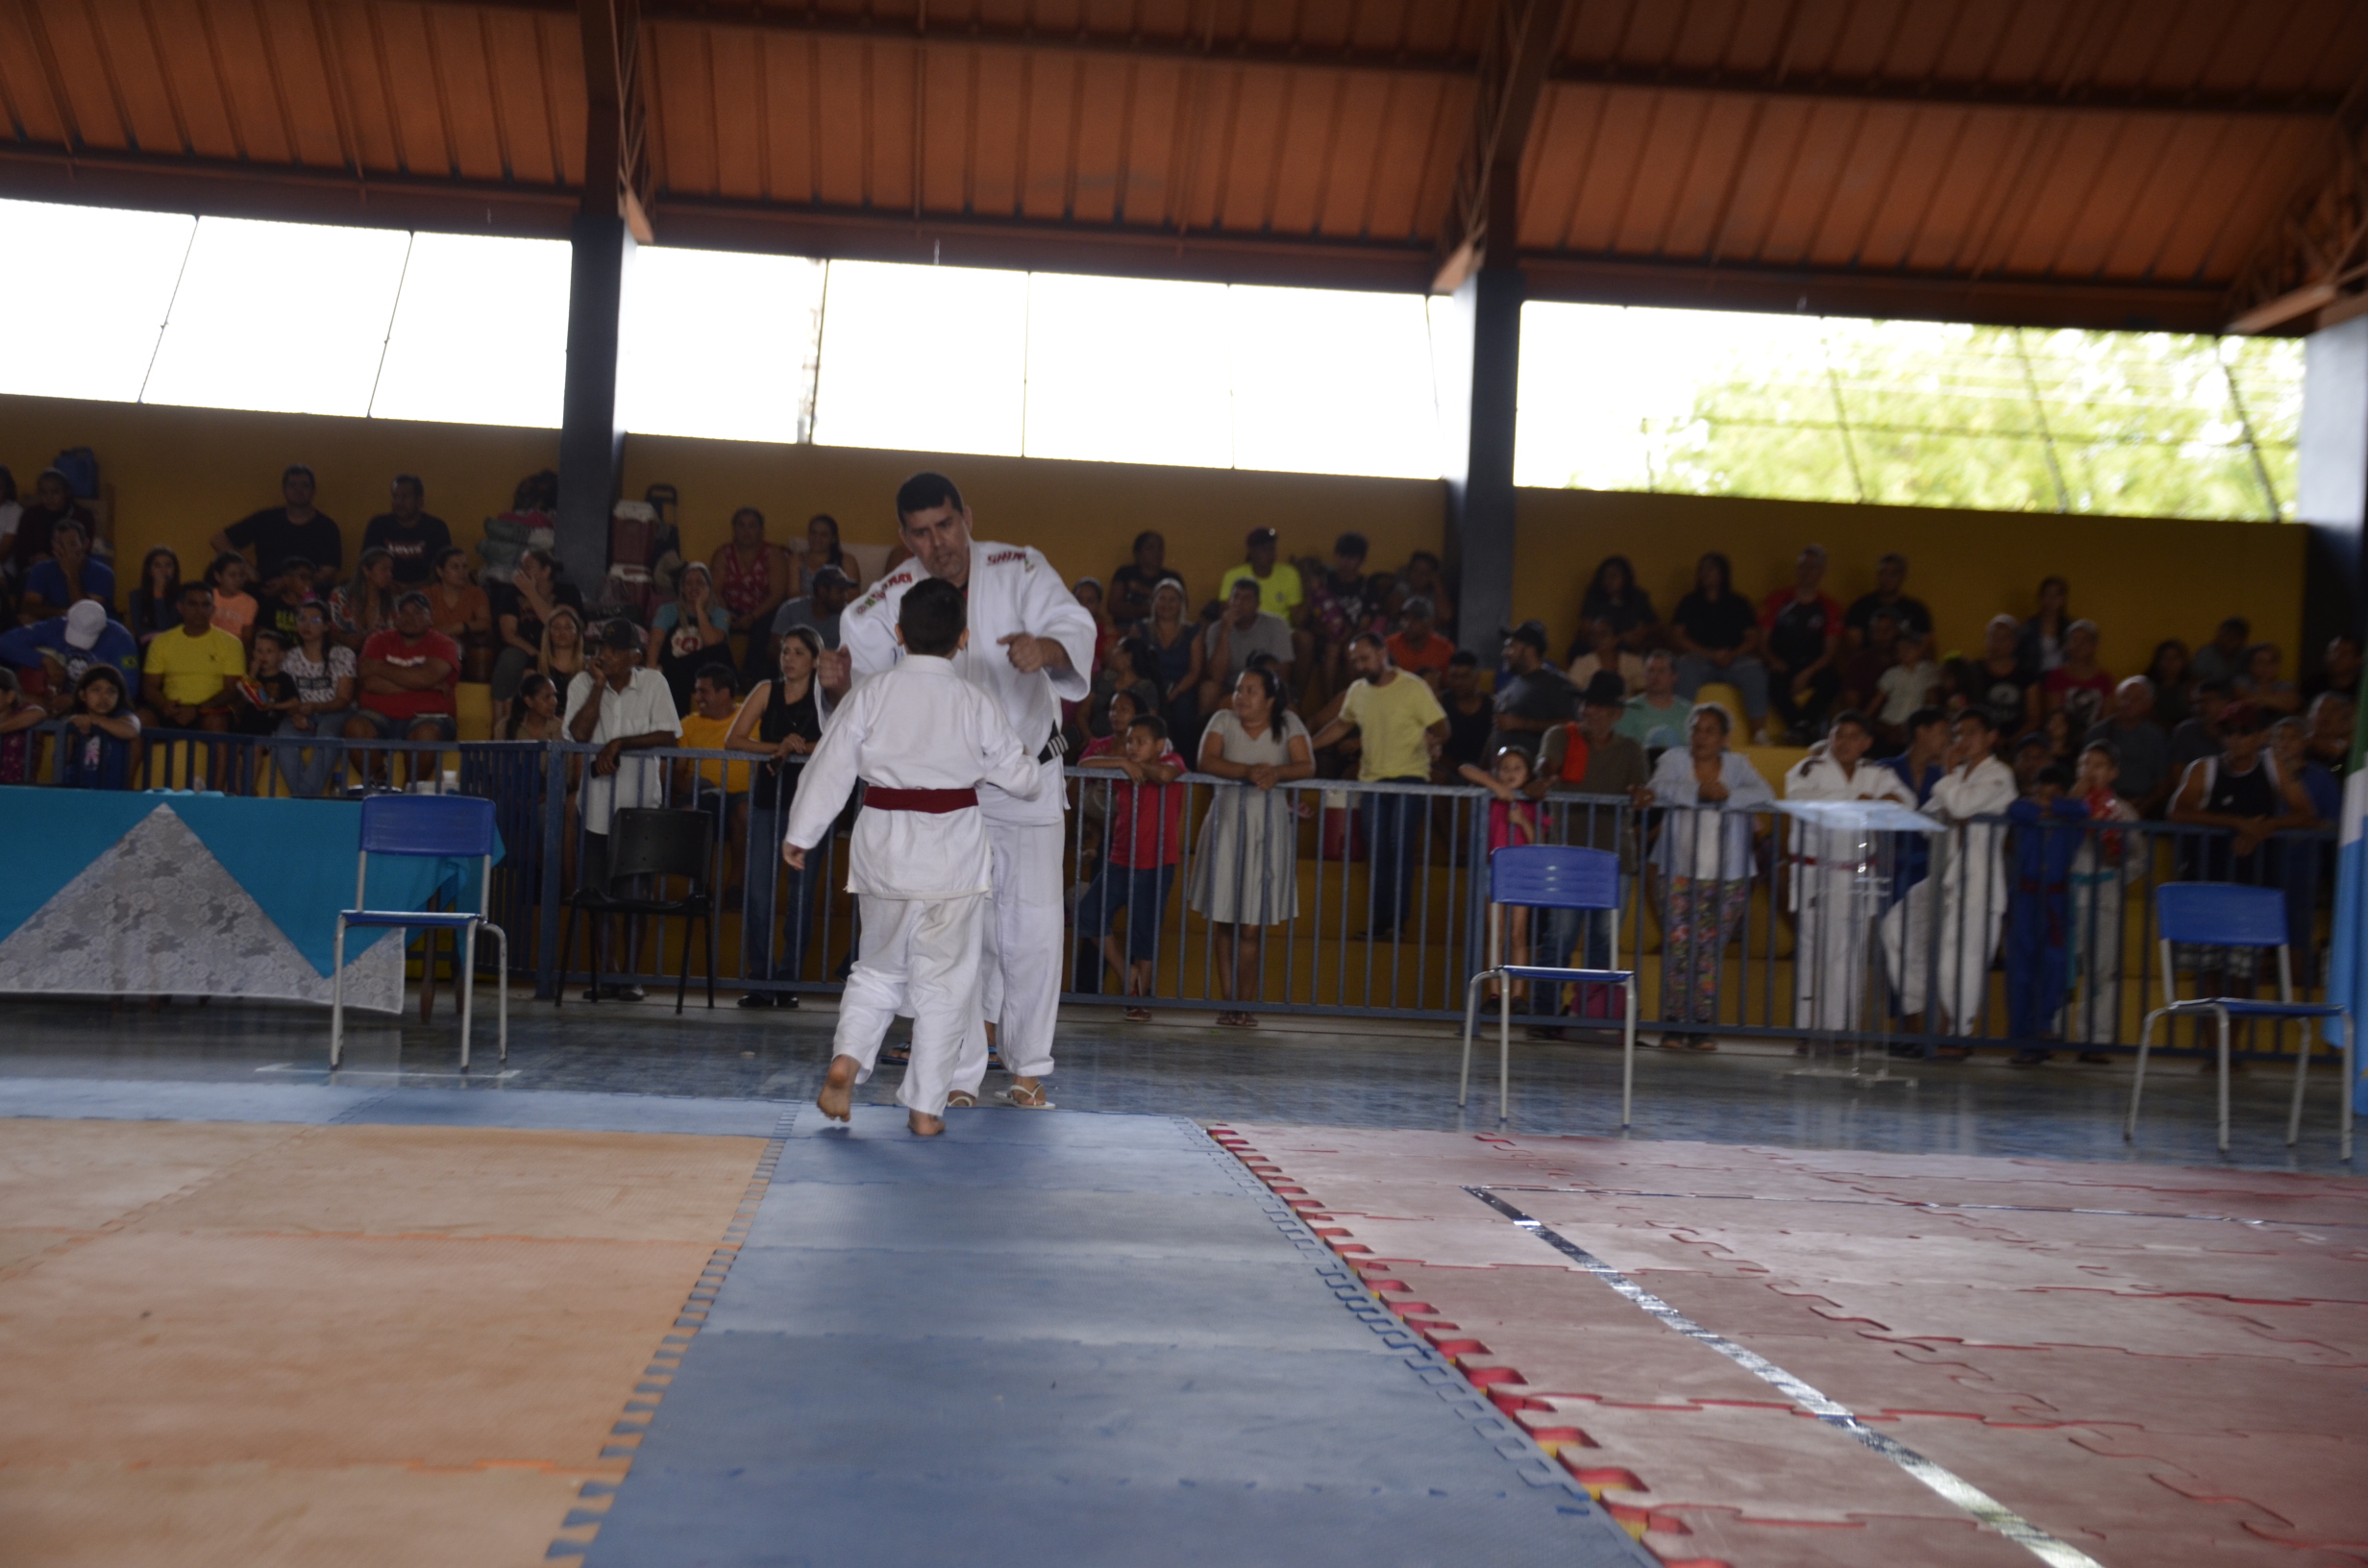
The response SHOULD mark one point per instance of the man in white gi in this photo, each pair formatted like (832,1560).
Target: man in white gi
(927,745)
(1835,885)
(1031,645)
(1971,891)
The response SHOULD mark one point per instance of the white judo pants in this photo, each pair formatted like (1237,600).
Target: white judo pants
(921,957)
(1021,970)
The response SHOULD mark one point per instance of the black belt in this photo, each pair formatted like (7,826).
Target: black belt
(1056,746)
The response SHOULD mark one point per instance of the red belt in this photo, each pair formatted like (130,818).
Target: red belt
(936,802)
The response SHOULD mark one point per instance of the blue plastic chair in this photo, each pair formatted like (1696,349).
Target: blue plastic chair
(446,827)
(1547,876)
(2231,914)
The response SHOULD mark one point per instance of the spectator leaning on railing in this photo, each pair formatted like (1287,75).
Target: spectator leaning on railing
(1471,713)
(780,721)
(1705,860)
(17,717)
(102,734)
(1591,759)
(619,706)
(1245,865)
(1401,728)
(1145,839)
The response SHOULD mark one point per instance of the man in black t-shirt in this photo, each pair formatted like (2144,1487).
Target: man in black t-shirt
(411,536)
(1535,696)
(1890,576)
(290,529)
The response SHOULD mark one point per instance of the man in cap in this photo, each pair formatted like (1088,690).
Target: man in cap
(1280,592)
(65,645)
(828,590)
(1535,696)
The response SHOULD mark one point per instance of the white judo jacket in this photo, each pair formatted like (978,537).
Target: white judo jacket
(1012,589)
(916,726)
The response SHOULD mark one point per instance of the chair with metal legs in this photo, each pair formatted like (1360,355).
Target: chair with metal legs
(1547,876)
(2231,914)
(447,827)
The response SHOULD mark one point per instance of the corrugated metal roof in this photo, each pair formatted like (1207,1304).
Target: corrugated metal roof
(2099,161)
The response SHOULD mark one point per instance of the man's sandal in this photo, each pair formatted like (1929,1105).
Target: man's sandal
(1025,1099)
(961,1099)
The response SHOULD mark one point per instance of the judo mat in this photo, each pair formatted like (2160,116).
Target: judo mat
(1060,1337)
(2145,1364)
(301,1325)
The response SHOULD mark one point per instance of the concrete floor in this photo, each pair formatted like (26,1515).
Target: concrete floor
(1330,1072)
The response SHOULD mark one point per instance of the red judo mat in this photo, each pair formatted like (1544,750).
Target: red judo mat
(2149,1364)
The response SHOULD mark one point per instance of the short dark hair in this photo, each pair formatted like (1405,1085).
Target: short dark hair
(2112,753)
(104,673)
(2238,625)
(1978,714)
(932,614)
(1146,537)
(1372,637)
(1461,657)
(447,553)
(275,634)
(1924,718)
(1352,543)
(293,469)
(1245,581)
(296,563)
(619,633)
(410,597)
(739,513)
(2218,686)
(412,480)
(923,490)
(1153,722)
(716,672)
(2055,774)
(1853,717)
(200,586)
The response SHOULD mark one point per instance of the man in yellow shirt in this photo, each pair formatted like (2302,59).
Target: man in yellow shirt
(186,683)
(1400,728)
(1280,592)
(715,703)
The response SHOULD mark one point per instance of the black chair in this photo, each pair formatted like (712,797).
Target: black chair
(644,842)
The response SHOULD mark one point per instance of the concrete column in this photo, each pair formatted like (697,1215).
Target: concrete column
(1476,350)
(591,441)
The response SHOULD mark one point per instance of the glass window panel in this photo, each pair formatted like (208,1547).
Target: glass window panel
(1332,382)
(2268,373)
(2150,479)
(479,334)
(1782,462)
(721,344)
(104,279)
(288,317)
(1128,371)
(1937,468)
(925,359)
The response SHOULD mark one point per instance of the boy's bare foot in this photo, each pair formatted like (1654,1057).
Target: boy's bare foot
(924,1125)
(838,1094)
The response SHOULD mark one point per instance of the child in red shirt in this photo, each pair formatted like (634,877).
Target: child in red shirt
(1144,844)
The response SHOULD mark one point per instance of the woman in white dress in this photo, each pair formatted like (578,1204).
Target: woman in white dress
(1245,865)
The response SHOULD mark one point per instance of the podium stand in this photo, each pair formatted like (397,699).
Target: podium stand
(1844,860)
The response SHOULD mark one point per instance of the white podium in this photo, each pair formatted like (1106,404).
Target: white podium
(1844,856)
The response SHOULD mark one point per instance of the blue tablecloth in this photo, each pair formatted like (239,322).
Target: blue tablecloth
(201,895)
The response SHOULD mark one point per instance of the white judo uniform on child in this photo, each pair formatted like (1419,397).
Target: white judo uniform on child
(1833,884)
(1971,889)
(921,738)
(1015,597)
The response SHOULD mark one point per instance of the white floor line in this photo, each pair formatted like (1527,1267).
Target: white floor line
(1958,1490)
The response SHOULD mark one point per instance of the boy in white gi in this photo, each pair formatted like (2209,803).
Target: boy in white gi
(924,742)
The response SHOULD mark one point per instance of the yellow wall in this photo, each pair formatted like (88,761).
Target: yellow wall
(179,473)
(2140,580)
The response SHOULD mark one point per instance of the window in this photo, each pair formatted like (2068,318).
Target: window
(1125,371)
(1332,382)
(719,344)
(95,283)
(925,359)
(291,317)
(479,332)
(1907,413)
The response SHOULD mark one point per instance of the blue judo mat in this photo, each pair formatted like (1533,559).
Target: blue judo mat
(1073,1339)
